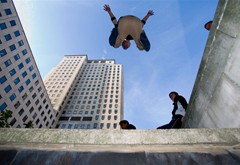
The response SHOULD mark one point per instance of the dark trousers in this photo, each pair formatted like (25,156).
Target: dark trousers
(174,123)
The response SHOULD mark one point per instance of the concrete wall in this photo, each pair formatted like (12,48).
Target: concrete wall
(215,99)
(120,147)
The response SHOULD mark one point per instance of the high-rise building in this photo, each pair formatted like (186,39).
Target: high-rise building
(21,87)
(88,94)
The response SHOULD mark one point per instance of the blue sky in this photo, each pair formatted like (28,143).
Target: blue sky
(55,28)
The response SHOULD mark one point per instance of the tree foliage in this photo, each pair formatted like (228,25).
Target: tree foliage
(4,116)
(7,114)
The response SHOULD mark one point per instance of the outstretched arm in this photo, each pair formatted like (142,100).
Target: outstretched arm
(113,18)
(150,13)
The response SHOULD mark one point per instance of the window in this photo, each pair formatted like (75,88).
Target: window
(8,88)
(21,112)
(13,122)
(12,97)
(8,37)
(108,125)
(25,118)
(31,89)
(12,47)
(24,52)
(88,126)
(27,60)
(3,52)
(34,95)
(82,126)
(20,89)
(20,43)
(3,79)
(3,106)
(87,119)
(12,72)
(76,126)
(28,82)
(75,118)
(96,117)
(63,126)
(30,68)
(24,96)
(17,33)
(34,115)
(69,126)
(3,26)
(34,75)
(37,82)
(20,66)
(28,103)
(12,23)
(8,62)
(8,11)
(3,1)
(17,105)
(63,118)
(16,57)
(24,74)
(16,81)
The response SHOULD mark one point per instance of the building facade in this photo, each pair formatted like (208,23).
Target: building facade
(88,94)
(21,87)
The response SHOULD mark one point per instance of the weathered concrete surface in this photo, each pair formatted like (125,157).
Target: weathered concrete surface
(120,137)
(183,146)
(215,98)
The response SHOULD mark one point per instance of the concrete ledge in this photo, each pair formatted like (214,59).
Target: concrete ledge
(183,146)
(121,137)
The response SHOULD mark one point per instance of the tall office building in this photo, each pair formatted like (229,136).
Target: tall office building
(88,94)
(21,87)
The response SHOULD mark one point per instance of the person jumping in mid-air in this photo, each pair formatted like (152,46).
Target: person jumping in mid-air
(128,28)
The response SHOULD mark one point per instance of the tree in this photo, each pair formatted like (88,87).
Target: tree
(7,114)
(29,124)
(4,116)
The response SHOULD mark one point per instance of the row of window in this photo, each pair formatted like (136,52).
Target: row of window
(12,47)
(13,96)
(3,26)
(16,81)
(86,112)
(86,126)
(90,100)
(78,118)
(7,12)
(3,1)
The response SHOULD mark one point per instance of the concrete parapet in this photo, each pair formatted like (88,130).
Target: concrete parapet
(181,146)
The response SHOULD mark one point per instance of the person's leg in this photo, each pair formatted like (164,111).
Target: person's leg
(169,125)
(113,36)
(144,40)
(166,126)
(177,124)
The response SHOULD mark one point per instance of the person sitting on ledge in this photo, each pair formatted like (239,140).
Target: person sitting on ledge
(208,25)
(179,109)
(125,125)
